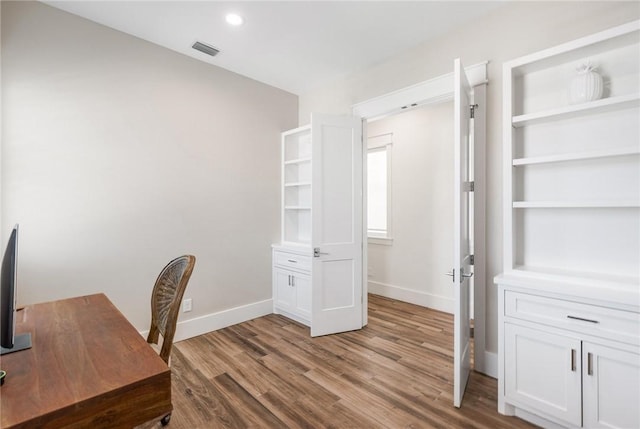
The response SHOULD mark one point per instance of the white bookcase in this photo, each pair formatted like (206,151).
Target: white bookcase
(571,234)
(572,176)
(292,256)
(321,181)
(296,186)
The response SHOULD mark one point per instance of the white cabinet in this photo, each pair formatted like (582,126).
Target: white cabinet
(571,363)
(569,297)
(291,258)
(317,266)
(292,284)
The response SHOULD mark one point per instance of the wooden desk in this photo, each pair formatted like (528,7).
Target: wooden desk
(88,367)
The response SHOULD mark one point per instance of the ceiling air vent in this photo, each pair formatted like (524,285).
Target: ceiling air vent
(209,50)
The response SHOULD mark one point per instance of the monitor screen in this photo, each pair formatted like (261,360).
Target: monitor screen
(8,291)
(9,341)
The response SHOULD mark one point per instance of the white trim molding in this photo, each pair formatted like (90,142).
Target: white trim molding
(490,365)
(412,296)
(431,91)
(212,322)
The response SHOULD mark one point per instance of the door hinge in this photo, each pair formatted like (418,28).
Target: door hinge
(469,186)
(473,108)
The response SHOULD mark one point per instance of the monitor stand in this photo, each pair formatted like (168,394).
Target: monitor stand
(20,342)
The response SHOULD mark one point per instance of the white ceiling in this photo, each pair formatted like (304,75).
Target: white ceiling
(292,45)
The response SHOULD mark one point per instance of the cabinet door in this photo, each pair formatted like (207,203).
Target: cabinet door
(611,387)
(302,287)
(285,295)
(543,372)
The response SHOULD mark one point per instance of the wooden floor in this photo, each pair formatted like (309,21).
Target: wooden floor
(269,373)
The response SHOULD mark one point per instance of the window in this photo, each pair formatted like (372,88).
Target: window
(379,187)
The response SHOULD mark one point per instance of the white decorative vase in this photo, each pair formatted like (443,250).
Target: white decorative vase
(587,85)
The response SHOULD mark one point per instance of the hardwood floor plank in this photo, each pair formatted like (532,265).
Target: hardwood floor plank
(397,372)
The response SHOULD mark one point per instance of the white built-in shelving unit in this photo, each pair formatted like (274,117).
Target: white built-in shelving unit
(569,297)
(296,186)
(292,256)
(572,175)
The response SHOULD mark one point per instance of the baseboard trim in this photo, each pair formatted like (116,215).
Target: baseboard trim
(411,296)
(212,322)
(490,364)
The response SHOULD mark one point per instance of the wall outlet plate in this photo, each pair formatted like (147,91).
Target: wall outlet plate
(186,305)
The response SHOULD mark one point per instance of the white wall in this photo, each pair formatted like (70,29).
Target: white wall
(516,29)
(119,155)
(412,268)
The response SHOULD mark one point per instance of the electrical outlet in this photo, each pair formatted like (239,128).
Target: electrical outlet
(186,305)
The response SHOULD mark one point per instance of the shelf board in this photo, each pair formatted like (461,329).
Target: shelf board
(576,204)
(566,112)
(298,161)
(576,156)
(292,184)
(297,208)
(575,50)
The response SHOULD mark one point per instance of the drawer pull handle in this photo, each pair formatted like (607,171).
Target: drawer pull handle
(573,359)
(589,363)
(582,319)
(293,261)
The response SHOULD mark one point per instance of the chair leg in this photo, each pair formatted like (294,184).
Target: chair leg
(166,419)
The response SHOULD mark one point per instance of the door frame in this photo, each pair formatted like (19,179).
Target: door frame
(433,91)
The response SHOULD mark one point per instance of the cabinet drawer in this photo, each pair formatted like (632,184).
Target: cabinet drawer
(292,260)
(589,319)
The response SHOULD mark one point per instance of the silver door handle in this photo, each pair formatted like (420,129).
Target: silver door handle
(317,252)
(451,274)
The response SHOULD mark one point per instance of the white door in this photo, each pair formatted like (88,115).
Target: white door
(461,237)
(336,223)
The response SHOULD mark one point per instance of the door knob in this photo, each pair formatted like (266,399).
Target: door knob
(317,252)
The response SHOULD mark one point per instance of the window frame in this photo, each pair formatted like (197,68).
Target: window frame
(374,144)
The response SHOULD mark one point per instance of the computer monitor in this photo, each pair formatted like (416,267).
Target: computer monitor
(9,341)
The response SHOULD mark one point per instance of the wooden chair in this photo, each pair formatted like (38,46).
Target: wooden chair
(165,305)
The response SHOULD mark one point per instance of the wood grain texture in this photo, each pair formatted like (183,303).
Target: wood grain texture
(166,299)
(88,367)
(269,373)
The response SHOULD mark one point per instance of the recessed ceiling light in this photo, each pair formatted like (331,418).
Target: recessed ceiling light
(234,19)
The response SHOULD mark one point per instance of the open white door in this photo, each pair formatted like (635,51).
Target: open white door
(461,246)
(336,223)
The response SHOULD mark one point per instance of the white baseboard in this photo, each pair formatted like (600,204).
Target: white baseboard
(490,364)
(211,322)
(411,296)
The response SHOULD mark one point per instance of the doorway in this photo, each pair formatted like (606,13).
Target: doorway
(434,93)
(409,205)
